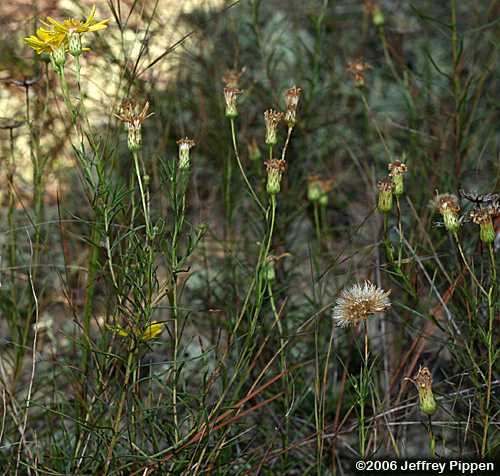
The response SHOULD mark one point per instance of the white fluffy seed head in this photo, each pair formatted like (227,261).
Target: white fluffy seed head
(357,303)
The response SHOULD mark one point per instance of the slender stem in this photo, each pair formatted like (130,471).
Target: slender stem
(491,349)
(285,147)
(400,229)
(143,195)
(243,174)
(379,132)
(89,293)
(317,225)
(462,255)
(432,439)
(116,425)
(12,256)
(283,369)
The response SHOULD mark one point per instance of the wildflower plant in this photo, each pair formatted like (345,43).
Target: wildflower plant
(169,338)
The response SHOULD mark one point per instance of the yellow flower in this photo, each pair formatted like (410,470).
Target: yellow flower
(154,329)
(45,41)
(71,26)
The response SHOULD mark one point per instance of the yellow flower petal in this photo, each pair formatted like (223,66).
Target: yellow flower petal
(91,15)
(154,329)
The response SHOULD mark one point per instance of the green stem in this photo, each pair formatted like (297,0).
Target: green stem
(143,195)
(400,229)
(116,425)
(491,350)
(243,174)
(317,225)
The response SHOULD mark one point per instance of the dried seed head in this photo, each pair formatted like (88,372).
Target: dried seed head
(423,381)
(272,119)
(292,97)
(359,302)
(133,119)
(275,169)
(231,95)
(484,218)
(397,169)
(184,147)
(449,206)
(232,77)
(385,190)
(357,69)
(318,189)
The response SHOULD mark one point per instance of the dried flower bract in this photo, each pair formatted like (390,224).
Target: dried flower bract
(275,169)
(484,218)
(385,189)
(185,146)
(397,169)
(423,381)
(357,68)
(133,119)
(231,95)
(292,97)
(272,119)
(232,77)
(449,206)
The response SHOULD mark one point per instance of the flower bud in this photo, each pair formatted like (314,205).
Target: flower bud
(272,119)
(323,200)
(318,189)
(75,44)
(483,218)
(58,57)
(231,95)
(397,169)
(269,271)
(134,137)
(423,381)
(357,69)
(385,189)
(184,146)
(275,168)
(449,207)
(377,16)
(313,188)
(133,121)
(292,97)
